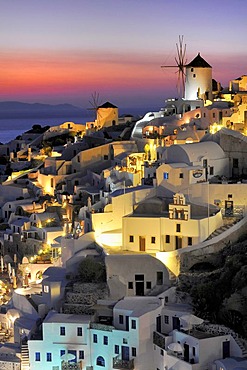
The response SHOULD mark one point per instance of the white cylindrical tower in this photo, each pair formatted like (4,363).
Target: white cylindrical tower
(198,84)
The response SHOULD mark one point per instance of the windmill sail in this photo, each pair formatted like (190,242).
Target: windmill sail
(180,60)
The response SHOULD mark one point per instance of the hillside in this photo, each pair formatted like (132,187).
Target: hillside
(14,109)
(220,294)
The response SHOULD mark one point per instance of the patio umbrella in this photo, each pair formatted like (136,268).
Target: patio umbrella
(175,347)
(68,357)
(191,320)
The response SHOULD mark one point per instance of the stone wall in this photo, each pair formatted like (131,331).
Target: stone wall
(83,297)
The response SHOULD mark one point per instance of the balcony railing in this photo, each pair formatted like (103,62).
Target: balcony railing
(159,339)
(71,365)
(123,364)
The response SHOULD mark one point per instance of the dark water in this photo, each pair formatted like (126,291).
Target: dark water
(10,128)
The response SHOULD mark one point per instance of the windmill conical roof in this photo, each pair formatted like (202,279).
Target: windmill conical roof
(199,62)
(107,105)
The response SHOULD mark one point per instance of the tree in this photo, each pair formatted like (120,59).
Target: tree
(91,271)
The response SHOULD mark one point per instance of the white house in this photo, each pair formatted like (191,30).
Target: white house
(158,224)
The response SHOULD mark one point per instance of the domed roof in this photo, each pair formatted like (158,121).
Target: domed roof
(199,62)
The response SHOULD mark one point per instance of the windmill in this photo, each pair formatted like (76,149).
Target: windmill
(180,65)
(95,103)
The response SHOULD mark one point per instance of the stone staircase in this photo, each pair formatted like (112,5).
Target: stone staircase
(24,357)
(219,231)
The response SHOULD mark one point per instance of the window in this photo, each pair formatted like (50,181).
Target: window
(159,278)
(193,351)
(189,240)
(178,228)
(125,341)
(78,159)
(100,361)
(181,175)
(167,239)
(105,157)
(116,349)
(235,162)
(105,340)
(81,355)
(62,352)
(79,332)
(166,175)
(37,356)
(95,338)
(229,196)
(62,330)
(121,319)
(148,285)
(153,239)
(192,69)
(194,75)
(130,285)
(133,351)
(139,277)
(211,170)
(166,319)
(131,239)
(162,352)
(46,288)
(52,183)
(48,357)
(133,324)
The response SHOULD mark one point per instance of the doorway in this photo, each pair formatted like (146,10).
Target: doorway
(186,352)
(125,353)
(226,349)
(142,243)
(178,242)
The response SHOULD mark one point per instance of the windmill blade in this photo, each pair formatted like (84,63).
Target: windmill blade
(180,64)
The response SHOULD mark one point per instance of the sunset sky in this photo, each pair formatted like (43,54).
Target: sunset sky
(61,51)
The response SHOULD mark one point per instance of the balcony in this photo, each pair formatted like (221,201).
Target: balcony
(159,339)
(71,365)
(123,364)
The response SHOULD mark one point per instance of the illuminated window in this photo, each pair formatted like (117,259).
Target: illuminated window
(131,239)
(46,288)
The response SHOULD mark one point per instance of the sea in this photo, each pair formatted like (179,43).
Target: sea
(11,128)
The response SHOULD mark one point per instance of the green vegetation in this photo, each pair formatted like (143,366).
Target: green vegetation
(221,295)
(91,271)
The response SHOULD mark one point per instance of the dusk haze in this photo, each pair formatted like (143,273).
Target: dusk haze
(62,51)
